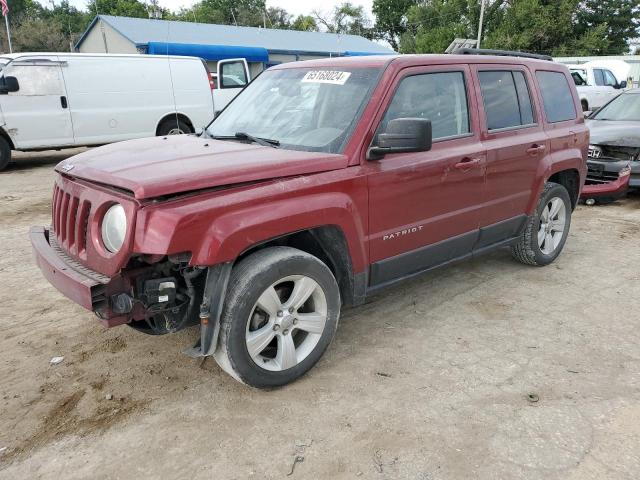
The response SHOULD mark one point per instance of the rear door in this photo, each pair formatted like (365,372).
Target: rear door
(232,77)
(564,124)
(424,207)
(515,141)
(37,115)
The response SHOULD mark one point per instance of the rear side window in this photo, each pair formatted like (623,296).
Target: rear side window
(506,98)
(557,98)
(439,97)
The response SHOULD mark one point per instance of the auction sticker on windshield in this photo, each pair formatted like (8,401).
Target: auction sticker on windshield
(326,76)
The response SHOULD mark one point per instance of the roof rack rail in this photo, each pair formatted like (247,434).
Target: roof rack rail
(503,53)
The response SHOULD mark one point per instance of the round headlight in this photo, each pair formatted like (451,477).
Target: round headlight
(114,228)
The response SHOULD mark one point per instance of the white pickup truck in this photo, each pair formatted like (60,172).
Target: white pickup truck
(595,85)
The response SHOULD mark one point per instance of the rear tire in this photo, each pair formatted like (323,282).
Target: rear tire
(174,126)
(5,153)
(547,229)
(280,314)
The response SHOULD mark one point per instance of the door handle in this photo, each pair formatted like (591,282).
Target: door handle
(467,163)
(535,149)
(575,136)
(63,101)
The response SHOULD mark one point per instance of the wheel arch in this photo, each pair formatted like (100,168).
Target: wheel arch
(329,244)
(171,115)
(5,135)
(569,179)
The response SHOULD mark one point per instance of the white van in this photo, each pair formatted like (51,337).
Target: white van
(56,100)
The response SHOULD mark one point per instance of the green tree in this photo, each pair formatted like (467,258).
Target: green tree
(391,19)
(432,25)
(247,13)
(123,8)
(39,35)
(277,17)
(347,19)
(616,20)
(305,23)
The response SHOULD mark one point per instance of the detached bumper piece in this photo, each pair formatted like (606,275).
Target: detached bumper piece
(605,185)
(85,287)
(215,290)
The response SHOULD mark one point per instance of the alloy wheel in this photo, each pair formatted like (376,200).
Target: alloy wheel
(553,220)
(286,323)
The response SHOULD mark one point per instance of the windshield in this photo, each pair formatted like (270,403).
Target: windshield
(301,109)
(623,108)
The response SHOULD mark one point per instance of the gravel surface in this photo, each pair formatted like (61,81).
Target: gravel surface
(489,369)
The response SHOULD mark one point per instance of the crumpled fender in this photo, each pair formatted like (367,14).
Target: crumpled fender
(236,231)
(218,227)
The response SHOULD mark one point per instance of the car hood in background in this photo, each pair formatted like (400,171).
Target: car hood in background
(621,134)
(154,167)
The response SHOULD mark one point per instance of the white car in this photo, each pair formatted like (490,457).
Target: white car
(57,100)
(595,85)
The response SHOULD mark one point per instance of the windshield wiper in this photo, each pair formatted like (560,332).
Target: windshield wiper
(265,142)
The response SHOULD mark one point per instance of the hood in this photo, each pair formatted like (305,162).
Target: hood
(157,166)
(609,132)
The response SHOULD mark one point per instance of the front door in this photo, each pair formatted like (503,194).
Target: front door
(424,206)
(37,115)
(233,76)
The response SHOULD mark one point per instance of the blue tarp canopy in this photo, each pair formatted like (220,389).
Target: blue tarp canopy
(209,52)
(350,53)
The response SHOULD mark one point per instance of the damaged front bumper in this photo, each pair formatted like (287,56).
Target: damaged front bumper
(106,296)
(610,180)
(87,288)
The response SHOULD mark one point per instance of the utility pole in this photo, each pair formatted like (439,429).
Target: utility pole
(480,23)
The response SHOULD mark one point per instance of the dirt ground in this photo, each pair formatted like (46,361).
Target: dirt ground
(487,370)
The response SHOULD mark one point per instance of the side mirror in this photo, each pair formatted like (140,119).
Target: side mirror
(402,135)
(9,84)
(622,84)
(593,112)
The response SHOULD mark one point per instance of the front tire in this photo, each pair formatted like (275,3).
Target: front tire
(174,126)
(547,229)
(5,153)
(280,314)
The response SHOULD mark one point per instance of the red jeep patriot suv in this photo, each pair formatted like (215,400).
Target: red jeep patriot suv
(321,183)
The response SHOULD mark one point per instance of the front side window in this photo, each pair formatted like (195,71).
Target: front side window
(598,76)
(36,79)
(233,75)
(506,98)
(556,96)
(609,79)
(302,108)
(439,97)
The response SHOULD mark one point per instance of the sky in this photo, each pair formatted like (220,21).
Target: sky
(295,7)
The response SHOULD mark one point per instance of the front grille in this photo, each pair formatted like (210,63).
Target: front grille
(70,218)
(601,177)
(614,152)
